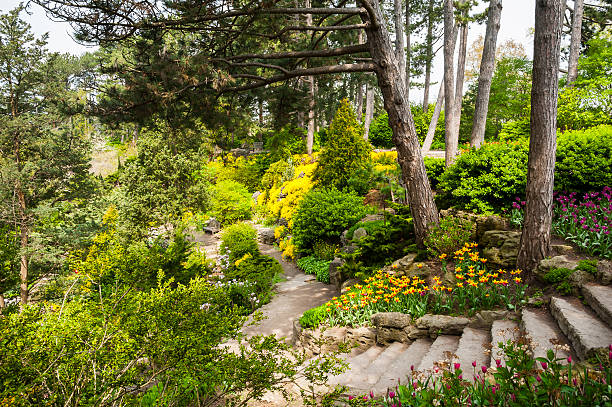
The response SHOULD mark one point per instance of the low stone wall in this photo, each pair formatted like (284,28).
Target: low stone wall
(388,327)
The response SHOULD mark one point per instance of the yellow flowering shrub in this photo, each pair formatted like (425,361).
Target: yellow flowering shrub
(288,248)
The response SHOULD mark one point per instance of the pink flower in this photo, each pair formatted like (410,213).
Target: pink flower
(538,378)
(392,394)
(484,369)
(544,365)
(474,363)
(457,365)
(569,359)
(498,362)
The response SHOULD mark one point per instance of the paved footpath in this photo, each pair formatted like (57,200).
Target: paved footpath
(298,293)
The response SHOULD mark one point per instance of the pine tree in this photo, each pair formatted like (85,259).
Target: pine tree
(346,150)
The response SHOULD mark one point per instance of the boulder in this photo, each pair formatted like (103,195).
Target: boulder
(212,226)
(374,198)
(413,333)
(349,249)
(385,335)
(604,272)
(500,247)
(482,223)
(442,324)
(397,320)
(484,319)
(343,238)
(335,276)
(359,233)
(561,249)
(362,337)
(255,195)
(372,217)
(266,236)
(555,262)
(282,222)
(579,278)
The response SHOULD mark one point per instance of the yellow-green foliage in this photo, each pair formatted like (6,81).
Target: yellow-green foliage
(346,151)
(239,169)
(385,162)
(293,190)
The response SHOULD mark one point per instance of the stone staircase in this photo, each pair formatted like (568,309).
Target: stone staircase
(570,327)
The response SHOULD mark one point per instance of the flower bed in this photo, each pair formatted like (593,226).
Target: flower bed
(519,380)
(474,289)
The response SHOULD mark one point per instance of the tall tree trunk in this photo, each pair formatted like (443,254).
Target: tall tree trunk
(311,99)
(23,263)
(459,83)
(429,55)
(408,50)
(572,67)
(369,110)
(433,123)
(487,66)
(399,37)
(2,303)
(422,206)
(449,83)
(359,102)
(535,239)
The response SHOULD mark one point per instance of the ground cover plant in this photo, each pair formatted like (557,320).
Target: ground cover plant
(518,379)
(474,288)
(315,266)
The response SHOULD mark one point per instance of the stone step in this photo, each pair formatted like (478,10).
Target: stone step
(502,330)
(599,298)
(541,329)
(400,370)
(473,347)
(365,379)
(357,364)
(588,334)
(442,350)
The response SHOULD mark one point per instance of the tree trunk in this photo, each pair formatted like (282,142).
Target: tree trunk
(429,56)
(369,111)
(422,206)
(449,82)
(408,51)
(2,303)
(311,99)
(399,37)
(433,123)
(459,84)
(572,67)
(535,239)
(487,66)
(359,102)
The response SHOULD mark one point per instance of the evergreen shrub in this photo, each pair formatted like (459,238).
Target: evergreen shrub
(323,215)
(435,168)
(380,134)
(346,150)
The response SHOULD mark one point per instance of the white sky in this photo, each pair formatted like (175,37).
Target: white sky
(516,20)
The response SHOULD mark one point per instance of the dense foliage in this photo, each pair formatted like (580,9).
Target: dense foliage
(231,202)
(238,240)
(345,152)
(324,214)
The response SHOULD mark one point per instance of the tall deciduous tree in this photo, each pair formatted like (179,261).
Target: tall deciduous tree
(535,238)
(487,67)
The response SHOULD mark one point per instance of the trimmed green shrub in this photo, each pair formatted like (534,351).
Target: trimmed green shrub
(323,215)
(231,202)
(487,179)
(515,130)
(590,266)
(380,134)
(315,266)
(249,280)
(449,236)
(435,168)
(584,160)
(239,240)
(557,275)
(346,151)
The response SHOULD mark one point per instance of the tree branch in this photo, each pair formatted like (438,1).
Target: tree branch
(321,70)
(351,49)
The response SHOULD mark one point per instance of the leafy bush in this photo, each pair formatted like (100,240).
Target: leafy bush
(449,236)
(323,215)
(238,240)
(231,202)
(315,266)
(346,150)
(422,121)
(515,130)
(486,179)
(122,343)
(324,250)
(590,266)
(380,134)
(246,171)
(370,227)
(435,168)
(584,159)
(249,280)
(278,173)
(557,275)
